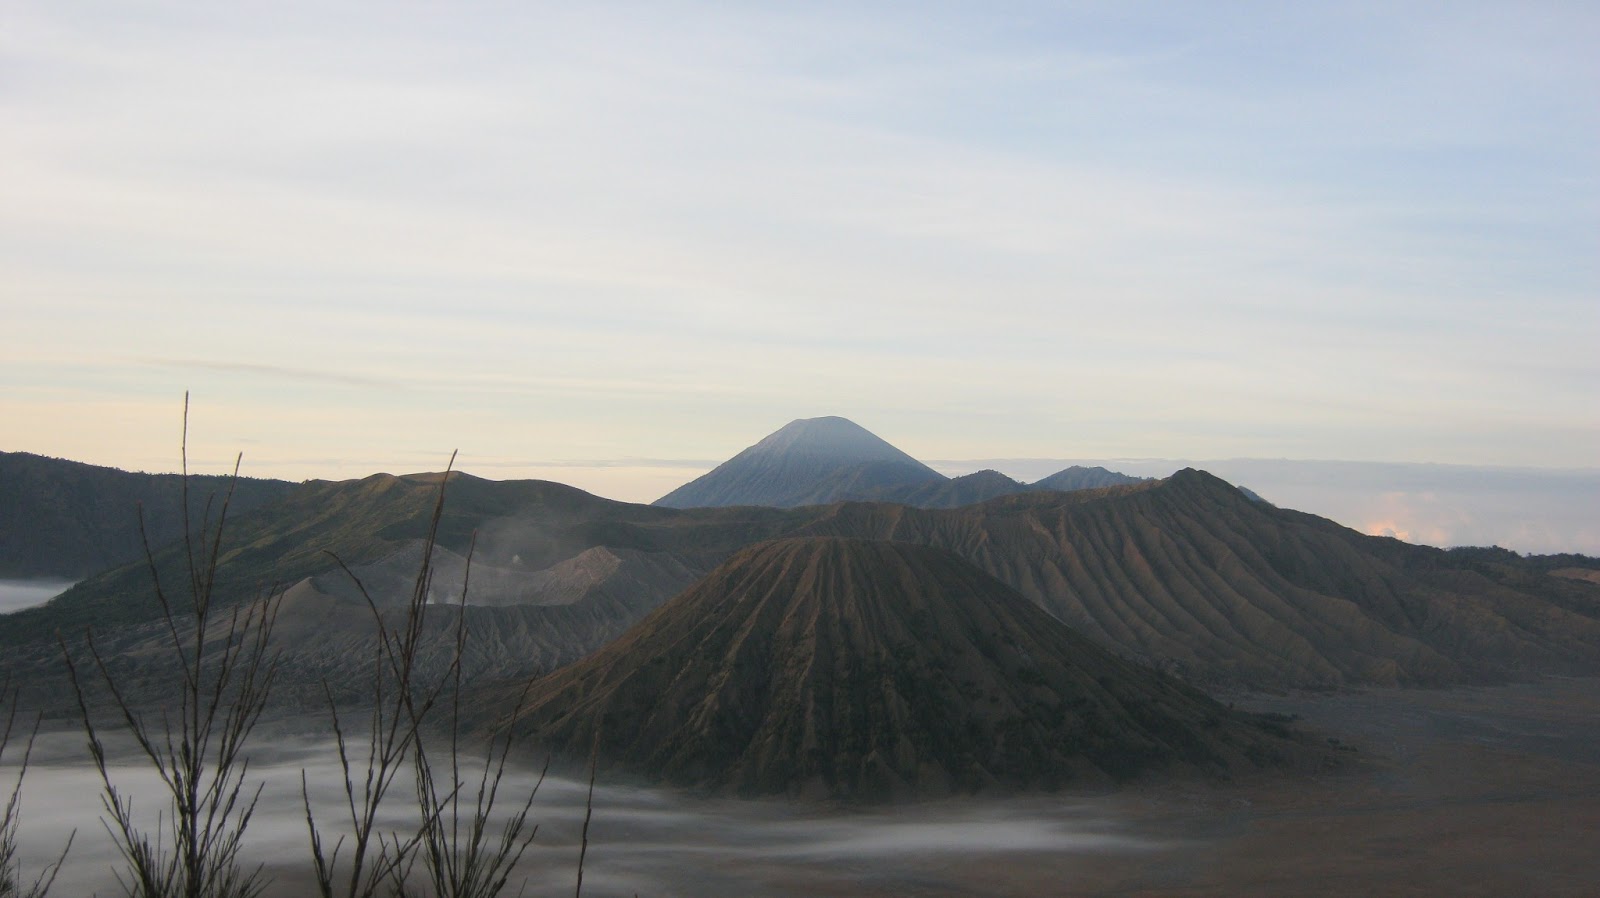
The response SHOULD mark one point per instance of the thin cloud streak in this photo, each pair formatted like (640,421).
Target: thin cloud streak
(272,371)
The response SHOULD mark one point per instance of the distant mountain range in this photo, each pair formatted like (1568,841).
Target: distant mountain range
(815,461)
(67,520)
(1185,573)
(1010,640)
(834,668)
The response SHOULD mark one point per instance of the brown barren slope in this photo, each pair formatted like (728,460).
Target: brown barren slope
(870,669)
(1190,573)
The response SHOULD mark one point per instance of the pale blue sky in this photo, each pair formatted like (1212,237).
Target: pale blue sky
(606,242)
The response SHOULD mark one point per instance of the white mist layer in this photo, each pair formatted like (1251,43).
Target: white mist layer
(16,595)
(642,841)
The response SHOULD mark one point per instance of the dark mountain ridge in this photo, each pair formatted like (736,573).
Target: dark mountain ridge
(981,486)
(364,521)
(1078,477)
(66,519)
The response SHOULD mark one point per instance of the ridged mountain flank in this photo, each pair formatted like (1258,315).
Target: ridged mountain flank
(1191,574)
(982,486)
(811,461)
(862,670)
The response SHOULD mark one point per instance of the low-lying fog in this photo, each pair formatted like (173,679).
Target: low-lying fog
(642,841)
(16,595)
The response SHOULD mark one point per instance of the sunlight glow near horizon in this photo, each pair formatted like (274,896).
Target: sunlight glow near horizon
(560,235)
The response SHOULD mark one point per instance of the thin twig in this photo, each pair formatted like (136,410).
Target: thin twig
(588,812)
(198,749)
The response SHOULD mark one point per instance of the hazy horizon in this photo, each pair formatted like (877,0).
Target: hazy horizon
(1526,509)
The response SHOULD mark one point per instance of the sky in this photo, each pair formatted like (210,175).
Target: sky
(615,243)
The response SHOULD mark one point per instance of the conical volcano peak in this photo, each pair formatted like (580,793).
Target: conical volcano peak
(869,669)
(833,437)
(809,461)
(1198,482)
